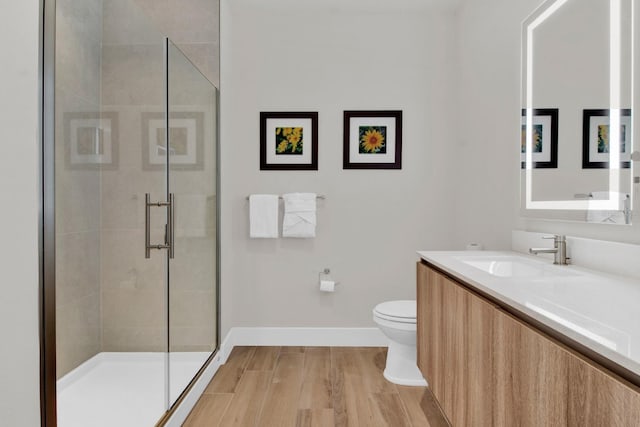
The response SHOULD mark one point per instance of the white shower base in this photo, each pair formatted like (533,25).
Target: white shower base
(123,389)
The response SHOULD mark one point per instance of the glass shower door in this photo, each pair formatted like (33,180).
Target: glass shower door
(192,182)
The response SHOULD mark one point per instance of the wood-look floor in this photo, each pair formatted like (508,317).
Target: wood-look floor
(311,387)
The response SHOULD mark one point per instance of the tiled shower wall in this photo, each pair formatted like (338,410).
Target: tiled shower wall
(132,287)
(78,62)
(109,298)
(193,25)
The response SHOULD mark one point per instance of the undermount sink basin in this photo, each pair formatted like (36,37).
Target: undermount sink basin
(511,266)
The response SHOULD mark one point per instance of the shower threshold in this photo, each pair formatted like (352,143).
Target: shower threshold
(123,389)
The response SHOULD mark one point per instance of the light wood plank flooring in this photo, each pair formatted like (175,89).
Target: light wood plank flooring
(311,387)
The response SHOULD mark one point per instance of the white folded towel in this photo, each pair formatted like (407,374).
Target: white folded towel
(263,216)
(608,216)
(299,215)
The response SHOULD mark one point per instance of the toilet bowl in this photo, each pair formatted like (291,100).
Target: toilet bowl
(397,320)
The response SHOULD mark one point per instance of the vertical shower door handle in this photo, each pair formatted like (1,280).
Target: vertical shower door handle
(170,234)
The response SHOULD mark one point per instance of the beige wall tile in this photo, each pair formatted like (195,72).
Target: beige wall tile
(194,266)
(78,37)
(127,24)
(134,339)
(124,265)
(188,339)
(77,201)
(126,308)
(192,309)
(205,57)
(77,266)
(78,33)
(77,332)
(133,74)
(185,20)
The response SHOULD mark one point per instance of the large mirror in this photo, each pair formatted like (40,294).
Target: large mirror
(577,121)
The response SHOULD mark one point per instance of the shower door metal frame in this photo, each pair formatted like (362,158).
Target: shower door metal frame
(46,232)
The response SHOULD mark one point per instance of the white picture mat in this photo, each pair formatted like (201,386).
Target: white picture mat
(596,121)
(354,140)
(157,157)
(95,123)
(545,155)
(289,159)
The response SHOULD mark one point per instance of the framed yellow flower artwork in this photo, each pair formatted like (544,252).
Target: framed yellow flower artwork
(288,141)
(372,140)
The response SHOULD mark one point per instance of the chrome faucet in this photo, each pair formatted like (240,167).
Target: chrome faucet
(559,250)
(627,209)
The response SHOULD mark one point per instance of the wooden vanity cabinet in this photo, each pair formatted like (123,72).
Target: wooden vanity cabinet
(487,368)
(454,348)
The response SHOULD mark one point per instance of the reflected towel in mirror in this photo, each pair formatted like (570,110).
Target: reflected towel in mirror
(607,216)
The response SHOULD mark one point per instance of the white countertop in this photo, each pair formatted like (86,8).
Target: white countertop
(598,310)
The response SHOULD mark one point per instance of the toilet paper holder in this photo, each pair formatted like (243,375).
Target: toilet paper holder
(325,275)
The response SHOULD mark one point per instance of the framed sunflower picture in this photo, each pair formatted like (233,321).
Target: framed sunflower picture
(288,141)
(597,138)
(372,140)
(544,138)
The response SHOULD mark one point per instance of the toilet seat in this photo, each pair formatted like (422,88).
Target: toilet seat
(403,311)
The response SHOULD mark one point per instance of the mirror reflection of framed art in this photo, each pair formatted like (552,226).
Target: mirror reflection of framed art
(544,138)
(597,139)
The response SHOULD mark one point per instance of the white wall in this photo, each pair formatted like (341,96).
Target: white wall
(19,358)
(328,58)
(489,106)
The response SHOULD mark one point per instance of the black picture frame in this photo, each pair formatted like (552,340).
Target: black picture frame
(355,153)
(590,138)
(272,126)
(542,116)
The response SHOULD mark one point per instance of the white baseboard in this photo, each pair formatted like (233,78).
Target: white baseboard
(308,337)
(182,412)
(316,337)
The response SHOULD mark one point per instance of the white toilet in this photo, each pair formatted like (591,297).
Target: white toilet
(397,320)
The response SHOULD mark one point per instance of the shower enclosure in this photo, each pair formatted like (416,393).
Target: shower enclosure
(131,182)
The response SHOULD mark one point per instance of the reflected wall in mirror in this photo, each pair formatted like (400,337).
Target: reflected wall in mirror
(577,81)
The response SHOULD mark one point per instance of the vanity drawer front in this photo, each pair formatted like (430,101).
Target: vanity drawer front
(454,348)
(598,398)
(541,382)
(531,376)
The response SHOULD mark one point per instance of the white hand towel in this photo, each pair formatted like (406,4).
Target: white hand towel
(608,216)
(299,215)
(263,216)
